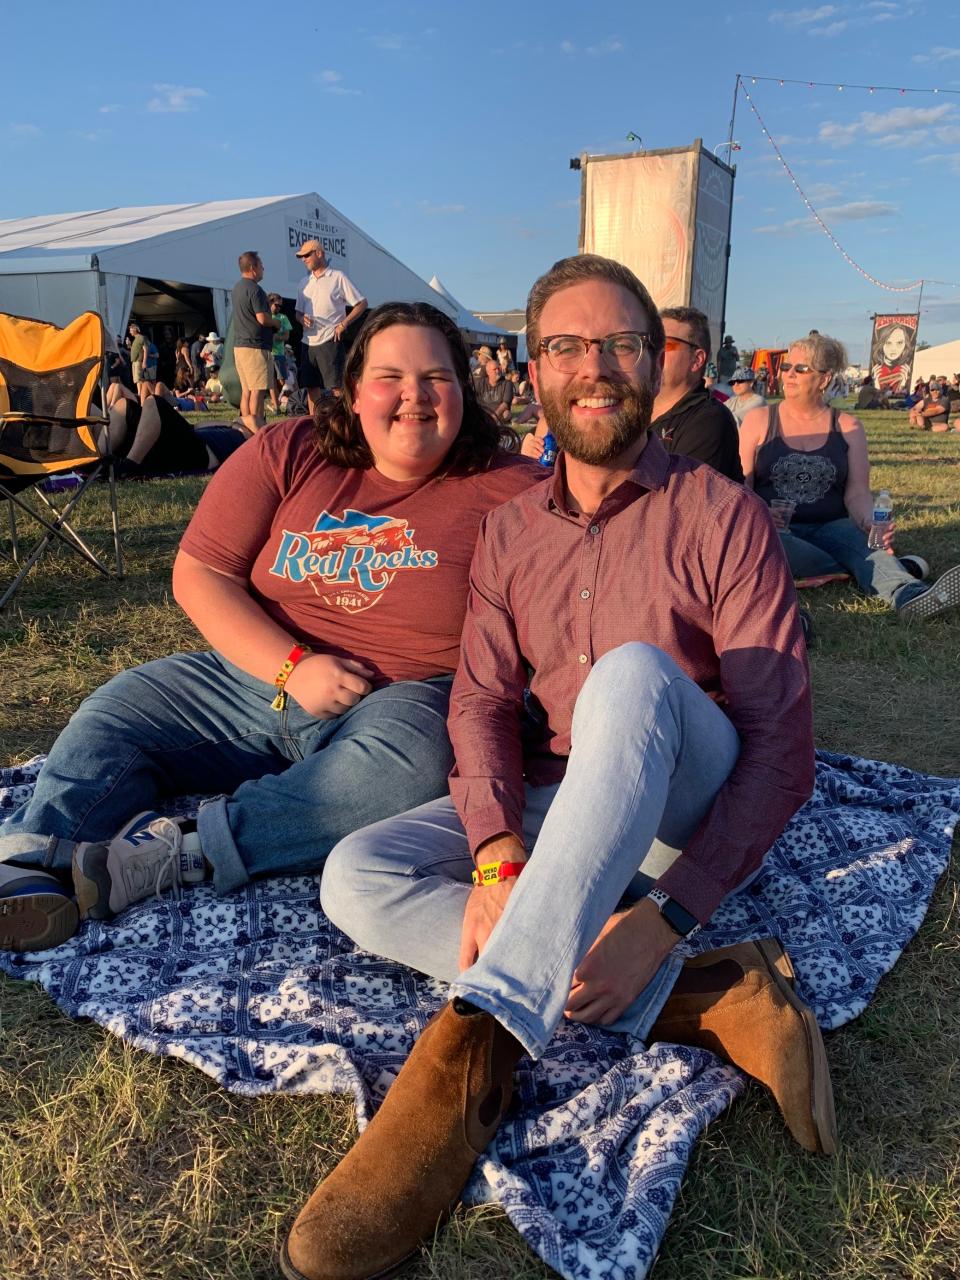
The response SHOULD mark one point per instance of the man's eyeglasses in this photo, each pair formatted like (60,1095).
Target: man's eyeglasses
(672,344)
(786,366)
(567,352)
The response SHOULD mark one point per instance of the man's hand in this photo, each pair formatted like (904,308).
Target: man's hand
(628,951)
(487,901)
(326,686)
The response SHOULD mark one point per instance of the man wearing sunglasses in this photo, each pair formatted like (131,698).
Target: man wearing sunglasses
(328,303)
(601,807)
(685,415)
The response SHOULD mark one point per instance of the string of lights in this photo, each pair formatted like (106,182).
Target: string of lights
(880,284)
(827,84)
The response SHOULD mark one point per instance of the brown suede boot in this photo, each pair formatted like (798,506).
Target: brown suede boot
(740,1003)
(406,1171)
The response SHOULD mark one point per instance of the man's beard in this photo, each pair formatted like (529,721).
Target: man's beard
(620,429)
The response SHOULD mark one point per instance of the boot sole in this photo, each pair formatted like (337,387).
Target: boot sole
(822,1107)
(291,1272)
(91,881)
(36,921)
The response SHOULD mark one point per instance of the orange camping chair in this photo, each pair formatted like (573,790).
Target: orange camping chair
(52,436)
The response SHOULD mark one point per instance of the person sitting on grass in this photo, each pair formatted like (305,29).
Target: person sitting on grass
(932,413)
(673,742)
(812,455)
(327,567)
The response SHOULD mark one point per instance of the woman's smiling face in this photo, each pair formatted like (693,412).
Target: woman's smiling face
(409,401)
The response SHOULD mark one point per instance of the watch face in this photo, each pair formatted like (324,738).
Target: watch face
(679,919)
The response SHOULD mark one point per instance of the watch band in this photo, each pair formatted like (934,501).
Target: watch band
(680,920)
(495,872)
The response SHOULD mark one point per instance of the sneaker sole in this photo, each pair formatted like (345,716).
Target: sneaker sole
(91,881)
(822,1107)
(941,596)
(36,921)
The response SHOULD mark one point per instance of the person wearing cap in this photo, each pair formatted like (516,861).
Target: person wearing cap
(744,397)
(728,359)
(933,411)
(687,418)
(328,303)
(211,353)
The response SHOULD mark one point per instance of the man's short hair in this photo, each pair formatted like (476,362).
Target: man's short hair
(578,270)
(249,261)
(695,320)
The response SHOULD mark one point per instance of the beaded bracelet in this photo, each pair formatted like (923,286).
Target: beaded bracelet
(283,675)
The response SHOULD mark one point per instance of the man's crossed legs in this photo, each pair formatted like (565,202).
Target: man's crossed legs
(649,752)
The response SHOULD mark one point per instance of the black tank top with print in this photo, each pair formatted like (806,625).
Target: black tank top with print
(815,481)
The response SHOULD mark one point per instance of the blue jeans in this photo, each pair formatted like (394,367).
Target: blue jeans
(649,752)
(839,546)
(194,723)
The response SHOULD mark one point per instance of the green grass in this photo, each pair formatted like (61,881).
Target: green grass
(115,1164)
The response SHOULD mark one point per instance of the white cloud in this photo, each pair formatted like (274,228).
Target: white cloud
(613,44)
(330,82)
(939,53)
(109,107)
(786,228)
(433,209)
(857,211)
(833,29)
(803,17)
(899,127)
(175,97)
(26,130)
(390,40)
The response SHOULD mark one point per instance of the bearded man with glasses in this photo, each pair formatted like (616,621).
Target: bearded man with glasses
(686,416)
(632,725)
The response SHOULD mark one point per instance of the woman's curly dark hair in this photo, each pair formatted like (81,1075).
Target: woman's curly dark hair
(339,431)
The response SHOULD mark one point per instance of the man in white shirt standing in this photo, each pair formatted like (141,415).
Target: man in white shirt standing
(327,305)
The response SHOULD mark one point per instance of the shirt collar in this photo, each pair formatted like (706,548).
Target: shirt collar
(698,393)
(649,472)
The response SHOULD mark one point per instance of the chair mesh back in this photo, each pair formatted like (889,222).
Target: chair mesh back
(47,379)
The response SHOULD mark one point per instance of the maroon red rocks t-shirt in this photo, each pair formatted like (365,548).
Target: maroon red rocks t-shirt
(346,560)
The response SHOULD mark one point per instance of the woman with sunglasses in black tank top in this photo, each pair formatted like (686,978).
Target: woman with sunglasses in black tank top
(812,455)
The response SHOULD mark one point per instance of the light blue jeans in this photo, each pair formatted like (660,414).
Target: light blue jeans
(195,724)
(649,752)
(839,546)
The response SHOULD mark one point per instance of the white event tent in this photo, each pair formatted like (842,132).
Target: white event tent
(178,262)
(473,328)
(944,358)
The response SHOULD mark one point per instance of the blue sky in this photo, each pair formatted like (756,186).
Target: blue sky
(446,132)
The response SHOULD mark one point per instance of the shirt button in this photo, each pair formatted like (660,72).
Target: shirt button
(582,658)
(594,528)
(584,595)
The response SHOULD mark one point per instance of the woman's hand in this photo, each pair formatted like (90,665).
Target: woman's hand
(326,686)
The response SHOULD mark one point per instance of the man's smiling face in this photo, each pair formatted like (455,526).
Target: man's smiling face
(597,412)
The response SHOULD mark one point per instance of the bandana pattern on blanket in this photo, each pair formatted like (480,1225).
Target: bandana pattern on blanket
(259,991)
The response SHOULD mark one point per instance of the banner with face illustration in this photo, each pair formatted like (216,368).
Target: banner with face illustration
(892,350)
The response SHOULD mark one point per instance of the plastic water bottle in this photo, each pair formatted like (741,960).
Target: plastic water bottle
(549,455)
(882,519)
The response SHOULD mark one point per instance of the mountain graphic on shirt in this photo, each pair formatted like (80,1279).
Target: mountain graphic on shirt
(354,556)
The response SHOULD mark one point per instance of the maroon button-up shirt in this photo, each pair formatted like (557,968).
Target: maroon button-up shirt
(677,556)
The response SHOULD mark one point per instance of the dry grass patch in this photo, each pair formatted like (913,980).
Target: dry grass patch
(115,1165)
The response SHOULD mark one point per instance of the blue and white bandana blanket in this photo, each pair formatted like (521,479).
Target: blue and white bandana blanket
(261,992)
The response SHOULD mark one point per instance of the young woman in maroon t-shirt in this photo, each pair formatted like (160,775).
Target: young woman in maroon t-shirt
(327,566)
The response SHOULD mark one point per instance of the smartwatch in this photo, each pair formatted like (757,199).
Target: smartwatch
(680,920)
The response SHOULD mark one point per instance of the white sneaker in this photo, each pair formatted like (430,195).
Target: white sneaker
(151,854)
(937,599)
